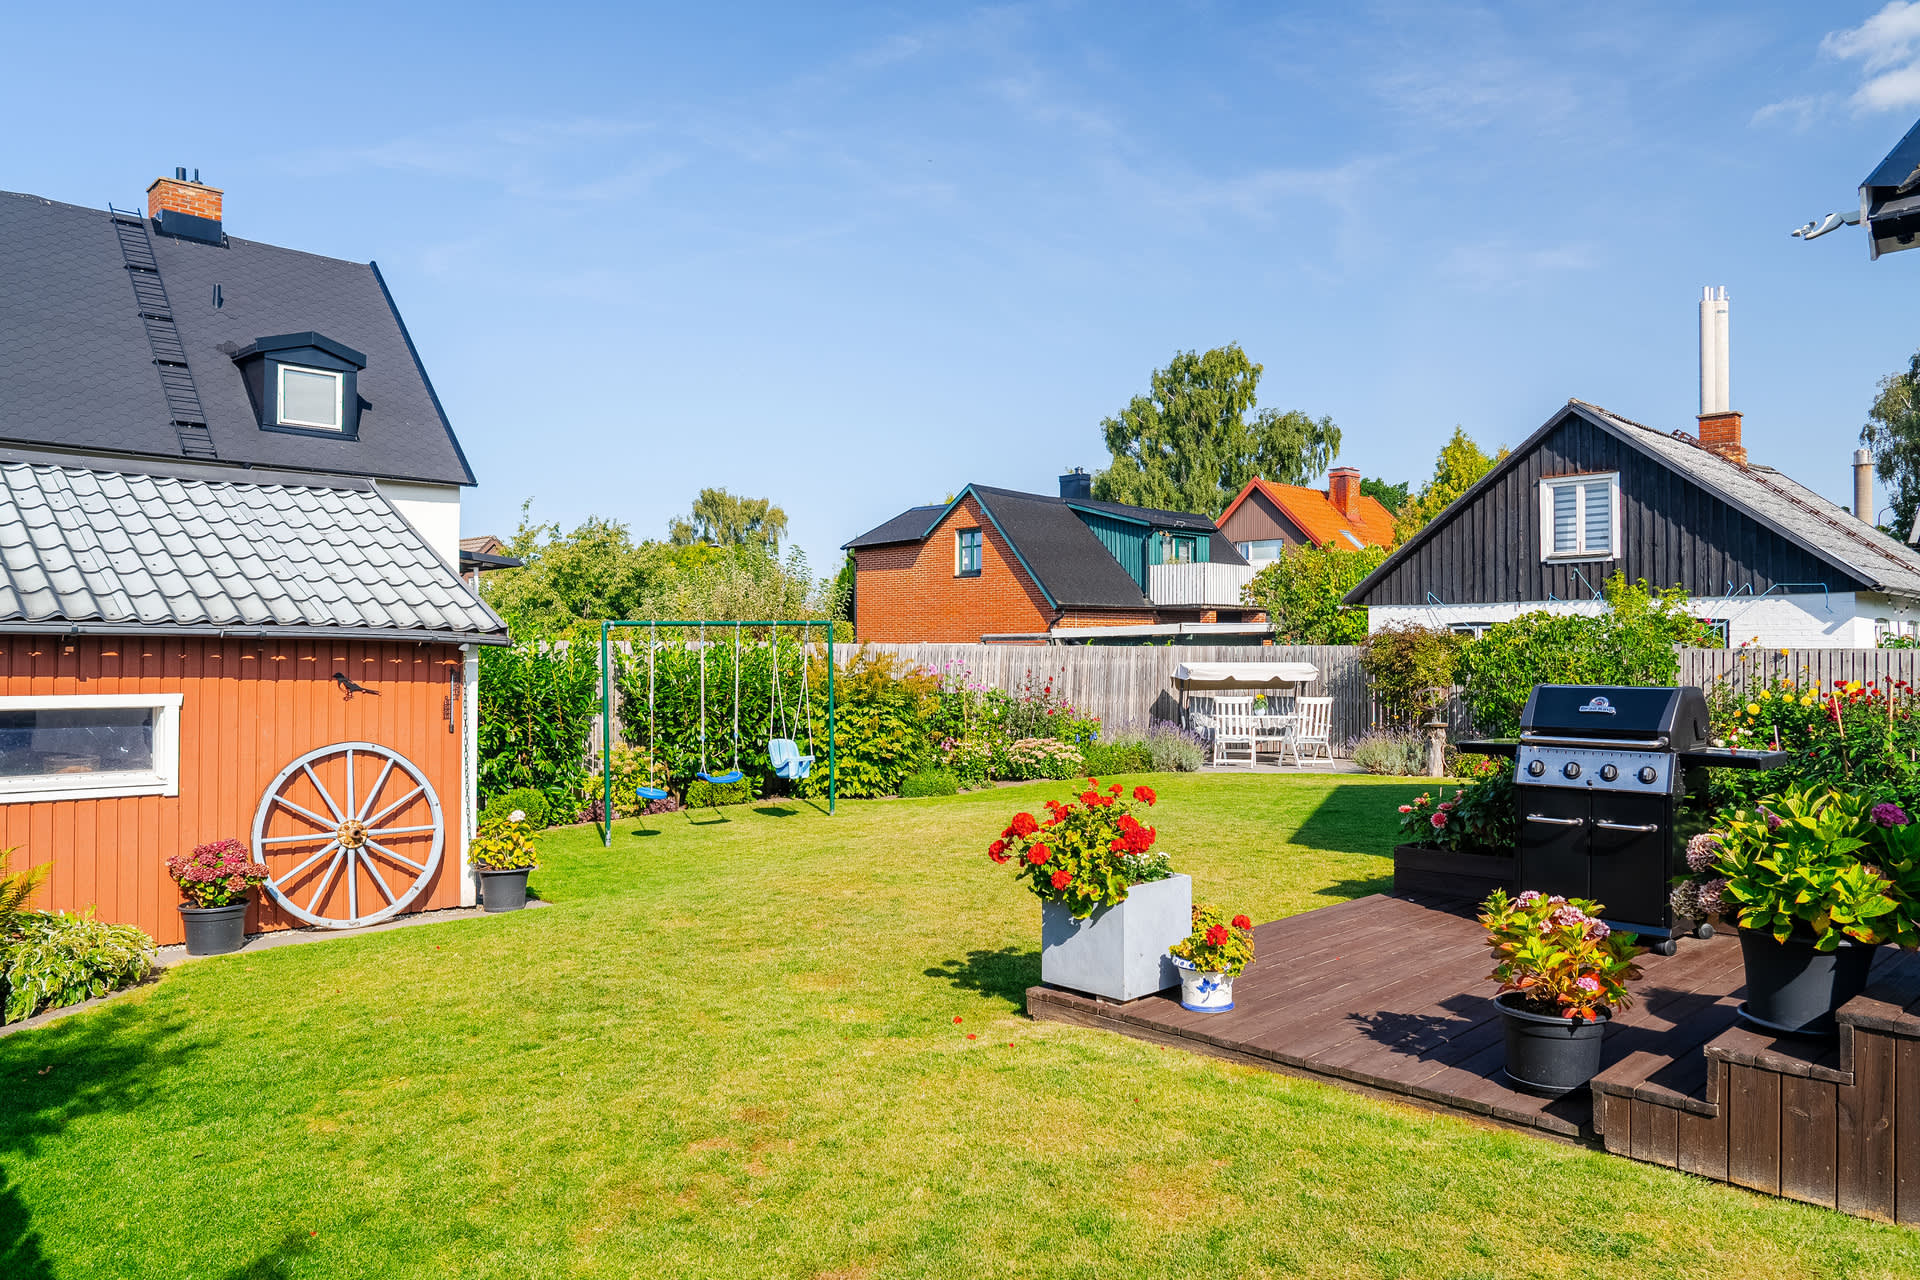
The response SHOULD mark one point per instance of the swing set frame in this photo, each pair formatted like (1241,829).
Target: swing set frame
(606,692)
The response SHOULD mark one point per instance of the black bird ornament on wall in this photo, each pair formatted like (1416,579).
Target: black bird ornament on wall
(340,678)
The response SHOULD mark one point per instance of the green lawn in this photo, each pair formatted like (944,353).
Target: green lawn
(738,1046)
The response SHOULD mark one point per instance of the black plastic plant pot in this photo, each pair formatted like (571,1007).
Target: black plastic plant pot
(215,931)
(1793,989)
(1547,1055)
(504,890)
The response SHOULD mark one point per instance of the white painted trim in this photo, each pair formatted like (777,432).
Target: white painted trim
(469,770)
(339,398)
(161,780)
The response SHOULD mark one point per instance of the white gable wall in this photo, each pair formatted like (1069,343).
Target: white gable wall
(433,509)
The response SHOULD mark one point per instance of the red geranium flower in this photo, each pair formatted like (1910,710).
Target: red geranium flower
(1115,788)
(1439,820)
(1241,922)
(1023,825)
(1089,798)
(1062,878)
(1039,854)
(1217,936)
(997,847)
(1144,792)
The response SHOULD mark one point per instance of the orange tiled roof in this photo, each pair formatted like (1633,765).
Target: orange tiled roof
(1318,518)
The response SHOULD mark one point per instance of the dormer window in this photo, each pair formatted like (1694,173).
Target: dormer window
(310,397)
(304,383)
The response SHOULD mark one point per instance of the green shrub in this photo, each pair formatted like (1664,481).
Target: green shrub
(882,715)
(1412,668)
(630,769)
(968,760)
(1174,750)
(931,782)
(529,801)
(55,959)
(712,795)
(1124,756)
(1031,758)
(536,708)
(1392,752)
(501,844)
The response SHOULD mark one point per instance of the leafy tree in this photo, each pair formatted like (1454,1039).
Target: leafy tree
(1391,496)
(1190,444)
(1630,642)
(1460,463)
(1893,433)
(1413,668)
(722,519)
(1301,592)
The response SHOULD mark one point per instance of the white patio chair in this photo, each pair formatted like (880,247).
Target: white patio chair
(1233,726)
(1313,723)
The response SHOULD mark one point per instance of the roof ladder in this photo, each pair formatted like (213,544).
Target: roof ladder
(163,336)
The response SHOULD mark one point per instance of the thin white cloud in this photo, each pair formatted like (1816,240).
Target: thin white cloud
(1887,45)
(1501,264)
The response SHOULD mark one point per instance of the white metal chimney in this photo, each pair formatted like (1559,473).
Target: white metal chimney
(1863,484)
(1716,394)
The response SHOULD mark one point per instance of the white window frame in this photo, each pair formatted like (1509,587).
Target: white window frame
(1547,486)
(339,422)
(161,780)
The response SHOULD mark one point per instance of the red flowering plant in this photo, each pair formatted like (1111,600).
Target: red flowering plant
(216,874)
(1086,854)
(1217,944)
(1558,954)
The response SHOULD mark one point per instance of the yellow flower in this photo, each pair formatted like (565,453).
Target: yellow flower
(1783,653)
(1753,708)
(1853,686)
(1765,696)
(1806,699)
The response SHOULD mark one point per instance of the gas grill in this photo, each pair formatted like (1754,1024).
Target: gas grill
(1599,772)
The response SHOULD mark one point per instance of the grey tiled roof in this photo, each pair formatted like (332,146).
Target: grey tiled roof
(910,525)
(1778,500)
(78,372)
(99,549)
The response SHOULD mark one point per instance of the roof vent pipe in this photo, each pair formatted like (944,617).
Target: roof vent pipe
(1863,484)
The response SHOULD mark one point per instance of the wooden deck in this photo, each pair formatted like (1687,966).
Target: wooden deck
(1389,995)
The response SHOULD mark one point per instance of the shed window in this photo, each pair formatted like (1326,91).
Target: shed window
(310,397)
(77,746)
(1580,517)
(966,553)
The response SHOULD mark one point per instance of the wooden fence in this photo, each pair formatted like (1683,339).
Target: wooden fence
(1756,668)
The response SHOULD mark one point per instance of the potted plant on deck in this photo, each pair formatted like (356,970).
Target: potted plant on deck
(1111,904)
(214,880)
(1819,880)
(1210,958)
(1563,973)
(504,855)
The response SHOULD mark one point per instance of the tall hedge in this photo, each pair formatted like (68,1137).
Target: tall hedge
(536,712)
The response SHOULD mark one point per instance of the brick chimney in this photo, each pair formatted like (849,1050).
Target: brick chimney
(1343,491)
(185,206)
(1719,424)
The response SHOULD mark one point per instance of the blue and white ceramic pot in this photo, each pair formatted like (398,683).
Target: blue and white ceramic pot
(1201,991)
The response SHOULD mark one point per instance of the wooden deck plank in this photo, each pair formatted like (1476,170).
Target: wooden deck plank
(1864,1123)
(1906,1131)
(1753,1128)
(1807,1140)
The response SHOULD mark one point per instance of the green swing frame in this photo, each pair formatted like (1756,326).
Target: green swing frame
(606,693)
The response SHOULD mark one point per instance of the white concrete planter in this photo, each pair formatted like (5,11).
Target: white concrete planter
(1118,952)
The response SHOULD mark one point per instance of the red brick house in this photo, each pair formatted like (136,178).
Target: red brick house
(1266,518)
(995,565)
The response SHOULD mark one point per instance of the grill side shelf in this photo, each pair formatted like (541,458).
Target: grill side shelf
(1726,758)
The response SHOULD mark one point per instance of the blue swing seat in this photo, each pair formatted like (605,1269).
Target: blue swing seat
(728,778)
(784,755)
(650,794)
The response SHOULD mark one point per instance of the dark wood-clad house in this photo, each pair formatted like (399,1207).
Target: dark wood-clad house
(1766,559)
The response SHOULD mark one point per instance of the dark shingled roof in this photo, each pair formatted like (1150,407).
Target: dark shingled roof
(79,372)
(1059,550)
(910,525)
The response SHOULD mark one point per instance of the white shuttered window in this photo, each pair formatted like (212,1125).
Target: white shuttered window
(1580,517)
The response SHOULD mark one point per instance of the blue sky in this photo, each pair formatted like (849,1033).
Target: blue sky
(850,259)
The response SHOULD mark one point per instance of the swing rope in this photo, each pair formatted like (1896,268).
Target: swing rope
(806,707)
(703,697)
(774,704)
(736,697)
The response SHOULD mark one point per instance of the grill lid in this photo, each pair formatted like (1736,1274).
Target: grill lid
(1614,711)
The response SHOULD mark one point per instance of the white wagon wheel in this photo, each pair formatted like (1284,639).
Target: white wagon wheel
(332,844)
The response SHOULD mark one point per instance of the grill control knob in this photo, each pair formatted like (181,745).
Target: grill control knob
(1608,773)
(1648,773)
(1536,768)
(1572,769)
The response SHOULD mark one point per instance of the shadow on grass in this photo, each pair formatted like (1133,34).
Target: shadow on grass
(106,1061)
(776,811)
(276,1263)
(1006,973)
(1355,820)
(1346,890)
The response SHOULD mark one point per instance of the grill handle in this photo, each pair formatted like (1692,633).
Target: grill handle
(1625,826)
(1557,822)
(1560,740)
